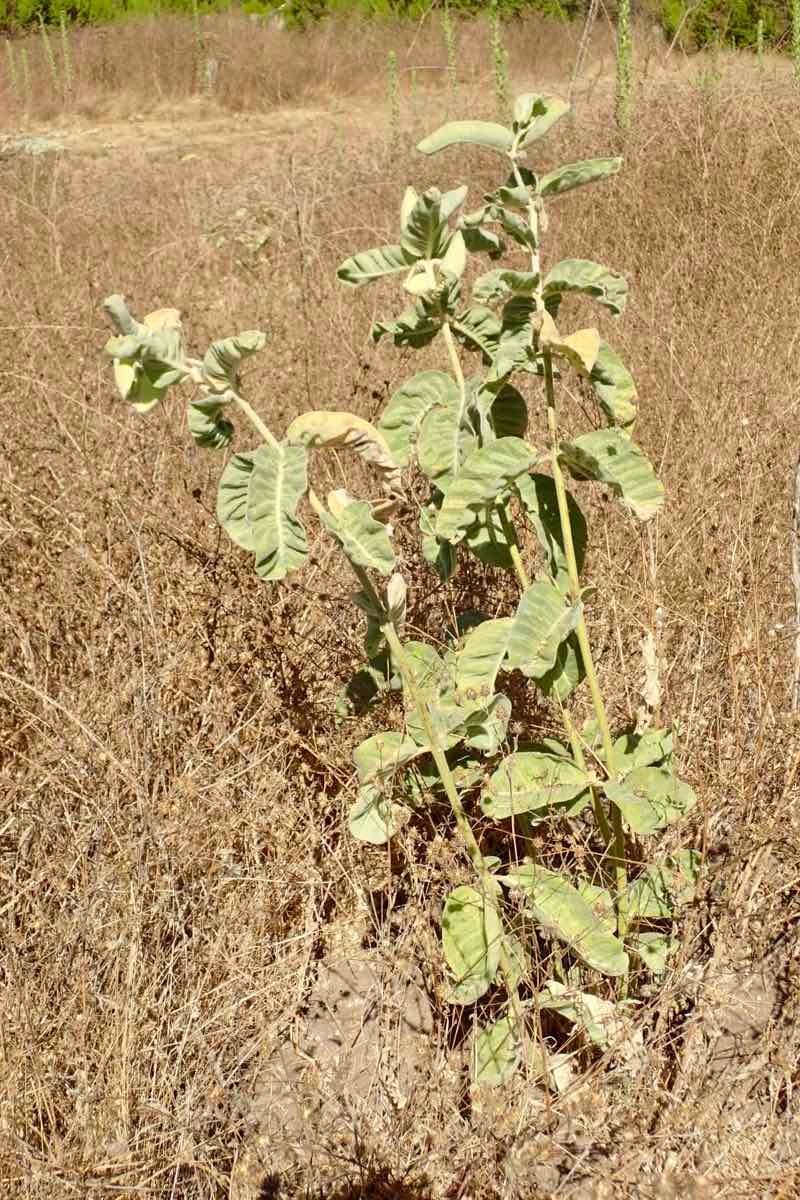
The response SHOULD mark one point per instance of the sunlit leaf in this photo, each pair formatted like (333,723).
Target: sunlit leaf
(364,540)
(495,1053)
(576,174)
(484,477)
(373,818)
(471,938)
(610,456)
(474,133)
(277,483)
(614,387)
(543,621)
(223,358)
(528,781)
(581,275)
(232,499)
(373,264)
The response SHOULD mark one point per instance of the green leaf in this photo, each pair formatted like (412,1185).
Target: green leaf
(223,358)
(542,622)
(651,748)
(535,114)
(517,228)
(610,456)
(333,430)
(482,241)
(654,949)
(440,554)
(560,908)
(614,387)
(508,413)
(495,1053)
(471,940)
(601,903)
(232,499)
(485,729)
(664,887)
(425,231)
(415,326)
(568,672)
(477,328)
(576,174)
(207,425)
(373,818)
(540,501)
(373,264)
(277,483)
(484,477)
(529,781)
(431,676)
(486,539)
(502,283)
(473,133)
(381,755)
(364,540)
(444,441)
(480,658)
(650,798)
(580,275)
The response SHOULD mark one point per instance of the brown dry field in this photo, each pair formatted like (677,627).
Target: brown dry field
(177,875)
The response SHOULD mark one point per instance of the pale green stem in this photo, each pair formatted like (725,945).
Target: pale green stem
(505,520)
(255,420)
(615,834)
(488,883)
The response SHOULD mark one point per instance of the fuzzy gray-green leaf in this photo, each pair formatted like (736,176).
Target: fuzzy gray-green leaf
(223,358)
(484,477)
(382,754)
(560,682)
(538,495)
(650,798)
(408,406)
(542,622)
(444,441)
(581,275)
(560,908)
(610,456)
(614,388)
(576,174)
(473,133)
(374,818)
(373,264)
(471,938)
(481,656)
(207,426)
(364,540)
(535,114)
(530,780)
(232,499)
(278,482)
(665,886)
(440,554)
(495,1053)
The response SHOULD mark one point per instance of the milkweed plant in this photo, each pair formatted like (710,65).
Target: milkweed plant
(530,932)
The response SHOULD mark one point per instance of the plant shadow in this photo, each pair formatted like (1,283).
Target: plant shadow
(379,1184)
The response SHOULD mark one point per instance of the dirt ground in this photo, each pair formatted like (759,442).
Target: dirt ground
(208,988)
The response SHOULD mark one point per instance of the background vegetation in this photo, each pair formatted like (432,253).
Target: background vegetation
(695,22)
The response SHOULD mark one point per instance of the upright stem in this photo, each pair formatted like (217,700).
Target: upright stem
(488,884)
(614,833)
(508,527)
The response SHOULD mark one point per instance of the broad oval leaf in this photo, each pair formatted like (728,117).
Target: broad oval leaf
(535,114)
(614,388)
(568,672)
(605,1023)
(611,457)
(576,174)
(650,798)
(374,818)
(654,949)
(344,430)
(581,275)
(373,264)
(542,622)
(223,358)
(425,232)
(382,754)
(478,328)
(651,748)
(540,501)
(415,326)
(560,908)
(496,1053)
(444,441)
(207,425)
(364,539)
(232,499)
(480,658)
(484,477)
(472,934)
(528,781)
(486,538)
(664,887)
(277,483)
(438,553)
(473,133)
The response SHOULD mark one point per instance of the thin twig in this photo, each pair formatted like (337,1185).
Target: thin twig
(794,540)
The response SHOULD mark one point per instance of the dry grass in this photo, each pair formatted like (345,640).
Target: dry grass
(174,855)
